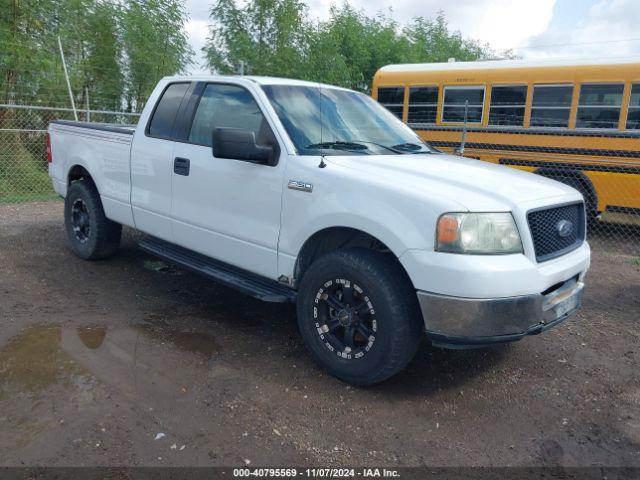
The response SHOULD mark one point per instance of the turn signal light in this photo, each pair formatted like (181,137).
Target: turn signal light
(447,229)
(47,140)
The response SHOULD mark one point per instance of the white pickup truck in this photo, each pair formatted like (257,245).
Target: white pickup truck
(301,192)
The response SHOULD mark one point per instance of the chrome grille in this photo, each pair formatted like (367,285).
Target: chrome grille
(557,230)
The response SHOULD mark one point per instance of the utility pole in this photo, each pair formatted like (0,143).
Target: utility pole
(66,75)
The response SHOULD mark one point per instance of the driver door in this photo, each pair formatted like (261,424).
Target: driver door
(224,208)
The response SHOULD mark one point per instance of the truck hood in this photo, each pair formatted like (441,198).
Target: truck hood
(474,184)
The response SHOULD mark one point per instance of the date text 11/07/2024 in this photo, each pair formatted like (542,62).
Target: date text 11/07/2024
(316,472)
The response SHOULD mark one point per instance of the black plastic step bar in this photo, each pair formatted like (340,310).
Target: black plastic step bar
(230,276)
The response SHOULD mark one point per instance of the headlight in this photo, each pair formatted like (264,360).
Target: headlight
(478,233)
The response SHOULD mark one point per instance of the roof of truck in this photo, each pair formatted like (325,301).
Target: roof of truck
(257,79)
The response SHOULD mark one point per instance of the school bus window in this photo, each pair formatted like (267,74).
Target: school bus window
(392,98)
(551,105)
(507,105)
(599,105)
(454,104)
(423,104)
(633,117)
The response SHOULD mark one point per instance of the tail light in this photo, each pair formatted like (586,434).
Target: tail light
(47,140)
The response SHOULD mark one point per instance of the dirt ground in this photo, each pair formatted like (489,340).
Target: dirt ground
(129,362)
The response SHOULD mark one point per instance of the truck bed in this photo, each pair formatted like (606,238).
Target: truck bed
(99,148)
(107,127)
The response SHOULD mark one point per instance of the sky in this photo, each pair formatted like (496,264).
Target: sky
(531,28)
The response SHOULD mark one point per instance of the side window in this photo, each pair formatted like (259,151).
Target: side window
(454,104)
(164,116)
(508,105)
(227,106)
(551,105)
(423,104)
(633,117)
(392,98)
(599,106)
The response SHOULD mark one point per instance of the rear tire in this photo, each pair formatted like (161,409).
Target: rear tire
(91,235)
(359,316)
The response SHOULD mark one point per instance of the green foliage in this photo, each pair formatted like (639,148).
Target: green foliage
(115,51)
(155,43)
(431,41)
(105,76)
(23,175)
(276,37)
(267,35)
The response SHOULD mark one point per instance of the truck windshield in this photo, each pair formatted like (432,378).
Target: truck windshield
(341,122)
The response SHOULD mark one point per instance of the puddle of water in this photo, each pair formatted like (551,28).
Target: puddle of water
(44,355)
(92,337)
(33,361)
(200,343)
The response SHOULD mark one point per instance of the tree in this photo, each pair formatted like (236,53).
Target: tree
(113,50)
(431,41)
(104,70)
(275,37)
(155,45)
(266,37)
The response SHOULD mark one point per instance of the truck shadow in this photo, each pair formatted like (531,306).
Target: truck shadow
(438,369)
(270,331)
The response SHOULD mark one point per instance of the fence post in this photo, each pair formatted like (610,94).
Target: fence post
(460,150)
(86,97)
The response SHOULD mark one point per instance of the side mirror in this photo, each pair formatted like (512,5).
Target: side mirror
(240,144)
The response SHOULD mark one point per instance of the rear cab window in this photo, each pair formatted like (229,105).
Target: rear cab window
(164,115)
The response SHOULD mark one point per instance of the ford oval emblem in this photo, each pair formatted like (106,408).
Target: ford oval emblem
(564,228)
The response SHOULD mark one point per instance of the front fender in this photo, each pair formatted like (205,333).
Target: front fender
(382,220)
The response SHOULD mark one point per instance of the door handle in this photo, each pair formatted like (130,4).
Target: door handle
(181,166)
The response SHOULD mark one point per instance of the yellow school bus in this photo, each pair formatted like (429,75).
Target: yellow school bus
(575,121)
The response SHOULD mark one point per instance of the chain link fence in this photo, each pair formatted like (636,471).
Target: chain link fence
(607,177)
(23,165)
(611,188)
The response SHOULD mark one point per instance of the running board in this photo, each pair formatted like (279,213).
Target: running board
(230,276)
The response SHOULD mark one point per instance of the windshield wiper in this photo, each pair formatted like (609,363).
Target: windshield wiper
(411,147)
(391,149)
(339,145)
(357,145)
(352,145)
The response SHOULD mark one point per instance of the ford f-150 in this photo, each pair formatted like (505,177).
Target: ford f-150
(294,191)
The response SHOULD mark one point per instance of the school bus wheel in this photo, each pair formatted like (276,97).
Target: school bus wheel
(580,182)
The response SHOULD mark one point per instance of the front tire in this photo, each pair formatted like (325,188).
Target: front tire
(359,316)
(91,235)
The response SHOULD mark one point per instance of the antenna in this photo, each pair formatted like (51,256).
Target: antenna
(322,163)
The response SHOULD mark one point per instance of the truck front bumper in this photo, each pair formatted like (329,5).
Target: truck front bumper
(457,322)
